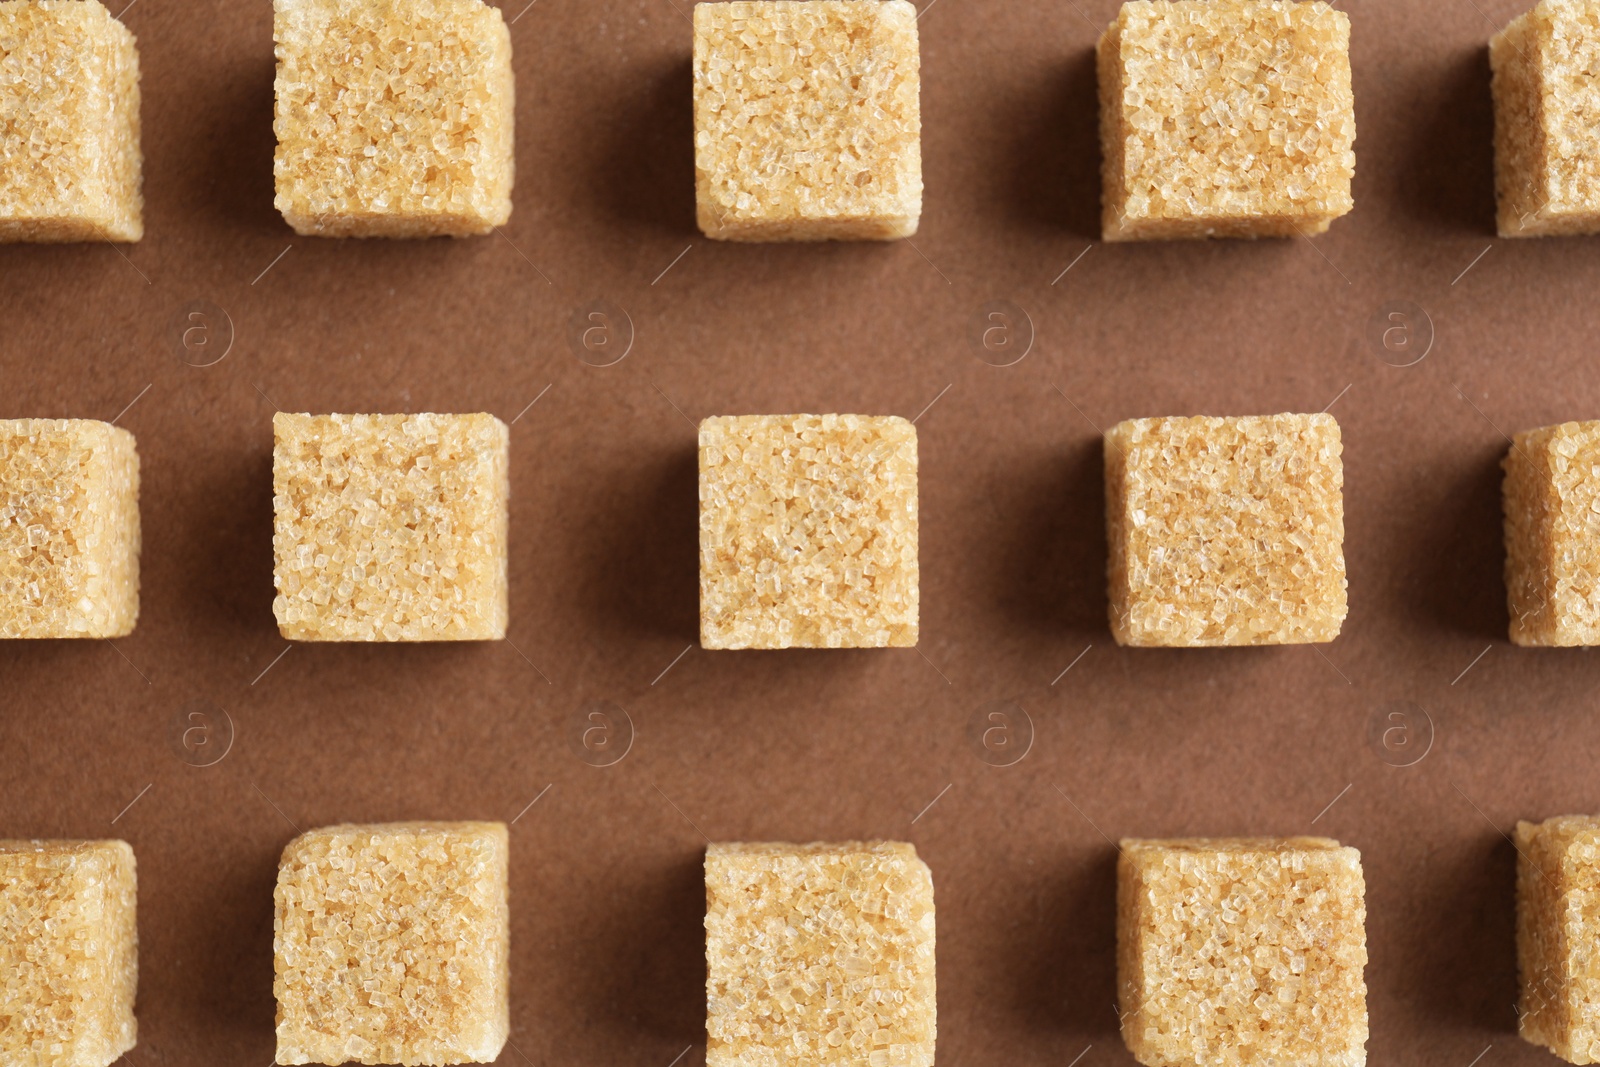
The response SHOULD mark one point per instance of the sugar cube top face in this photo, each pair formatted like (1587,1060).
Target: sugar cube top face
(819,955)
(394,117)
(1552,528)
(807,120)
(1234,951)
(69,952)
(70,164)
(390,527)
(391,944)
(1547,149)
(808,531)
(1225,531)
(1225,118)
(1558,924)
(69,529)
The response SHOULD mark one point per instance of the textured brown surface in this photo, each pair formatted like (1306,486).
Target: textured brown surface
(69,952)
(607,882)
(819,954)
(70,165)
(390,944)
(69,529)
(394,117)
(1225,118)
(1547,153)
(1238,951)
(1552,517)
(807,120)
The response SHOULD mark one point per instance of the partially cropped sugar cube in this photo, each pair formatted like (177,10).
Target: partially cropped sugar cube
(808,531)
(1225,531)
(1234,951)
(1225,118)
(391,944)
(69,952)
(1552,522)
(1558,926)
(819,955)
(69,528)
(70,164)
(390,527)
(394,118)
(807,120)
(1546,148)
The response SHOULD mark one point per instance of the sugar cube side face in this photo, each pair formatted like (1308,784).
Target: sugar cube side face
(391,944)
(390,527)
(1558,920)
(394,119)
(1225,118)
(1551,493)
(69,529)
(1547,155)
(808,532)
(1242,951)
(69,951)
(1225,531)
(819,955)
(807,120)
(70,162)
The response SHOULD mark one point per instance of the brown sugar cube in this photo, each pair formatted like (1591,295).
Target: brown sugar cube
(1546,150)
(1225,118)
(390,527)
(807,120)
(69,528)
(391,944)
(394,117)
(1552,522)
(69,953)
(1558,925)
(70,165)
(819,955)
(808,531)
(1225,531)
(1234,951)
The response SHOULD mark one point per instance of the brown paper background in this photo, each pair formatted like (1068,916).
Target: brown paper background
(607,901)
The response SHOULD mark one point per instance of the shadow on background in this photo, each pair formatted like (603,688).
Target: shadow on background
(229,173)
(1058,150)
(1052,543)
(228,521)
(1463,566)
(231,941)
(644,546)
(647,170)
(1463,952)
(1451,151)
(1064,966)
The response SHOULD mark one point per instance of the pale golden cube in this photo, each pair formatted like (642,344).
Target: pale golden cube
(819,955)
(69,953)
(807,120)
(1552,523)
(1242,951)
(1225,118)
(1225,531)
(69,529)
(1558,926)
(70,164)
(394,117)
(391,944)
(390,527)
(1546,144)
(808,531)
